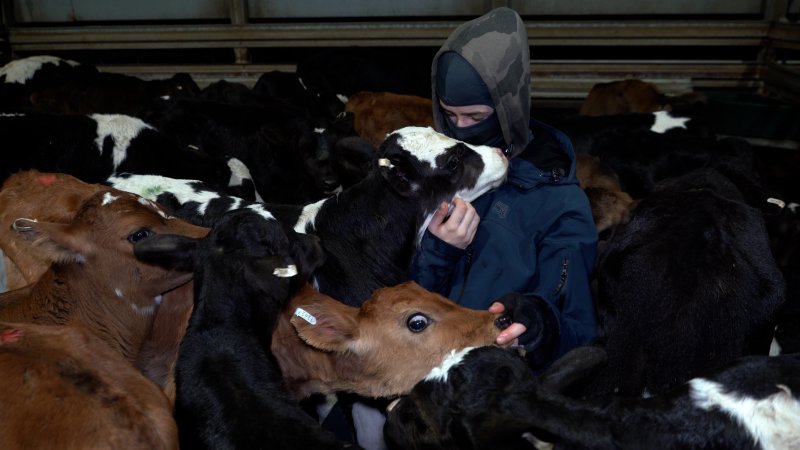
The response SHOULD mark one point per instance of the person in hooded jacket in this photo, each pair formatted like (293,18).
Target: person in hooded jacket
(534,235)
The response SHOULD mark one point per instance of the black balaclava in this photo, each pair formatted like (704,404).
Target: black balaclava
(458,84)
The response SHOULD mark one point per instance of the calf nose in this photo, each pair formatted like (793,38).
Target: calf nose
(503,322)
(329,184)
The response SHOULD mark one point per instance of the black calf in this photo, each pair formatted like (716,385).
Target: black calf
(487,399)
(230,392)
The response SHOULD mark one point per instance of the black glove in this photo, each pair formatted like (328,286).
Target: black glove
(541,337)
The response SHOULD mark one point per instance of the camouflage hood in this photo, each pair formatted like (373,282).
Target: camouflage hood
(506,73)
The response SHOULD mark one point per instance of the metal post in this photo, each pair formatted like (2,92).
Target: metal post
(776,9)
(8,21)
(240,17)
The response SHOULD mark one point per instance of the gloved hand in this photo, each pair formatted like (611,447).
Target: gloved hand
(541,337)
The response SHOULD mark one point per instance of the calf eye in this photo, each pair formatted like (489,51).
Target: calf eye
(452,165)
(503,322)
(417,323)
(455,159)
(139,235)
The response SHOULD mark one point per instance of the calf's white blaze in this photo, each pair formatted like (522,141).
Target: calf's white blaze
(454,358)
(774,422)
(22,70)
(665,122)
(122,130)
(307,216)
(108,197)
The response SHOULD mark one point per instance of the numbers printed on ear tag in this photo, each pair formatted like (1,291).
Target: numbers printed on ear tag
(305,315)
(285,272)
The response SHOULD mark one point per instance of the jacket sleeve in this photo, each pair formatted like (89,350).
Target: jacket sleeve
(433,264)
(566,261)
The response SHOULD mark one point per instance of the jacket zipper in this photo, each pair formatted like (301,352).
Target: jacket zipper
(562,280)
(467,266)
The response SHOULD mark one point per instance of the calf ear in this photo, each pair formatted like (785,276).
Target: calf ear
(307,253)
(167,250)
(326,324)
(396,176)
(574,366)
(59,242)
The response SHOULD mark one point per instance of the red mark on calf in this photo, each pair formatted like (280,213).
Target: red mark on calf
(46,179)
(10,335)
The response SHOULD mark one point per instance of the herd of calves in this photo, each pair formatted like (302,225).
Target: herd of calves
(186,266)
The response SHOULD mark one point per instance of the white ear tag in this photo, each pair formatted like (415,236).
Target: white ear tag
(285,272)
(305,315)
(385,162)
(777,201)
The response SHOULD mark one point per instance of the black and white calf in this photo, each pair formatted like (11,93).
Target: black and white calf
(92,148)
(191,200)
(288,155)
(109,93)
(230,392)
(288,86)
(487,398)
(368,231)
(22,77)
(34,68)
(587,132)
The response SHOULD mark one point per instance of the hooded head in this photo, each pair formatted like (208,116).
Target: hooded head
(486,61)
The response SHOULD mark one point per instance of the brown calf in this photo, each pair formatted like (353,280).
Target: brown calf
(379,113)
(49,197)
(369,351)
(636,96)
(380,350)
(64,388)
(610,205)
(96,281)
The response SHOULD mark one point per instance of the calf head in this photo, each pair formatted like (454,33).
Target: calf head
(352,158)
(49,197)
(179,85)
(101,236)
(317,148)
(610,205)
(379,350)
(623,96)
(246,251)
(418,160)
(437,411)
(95,278)
(482,398)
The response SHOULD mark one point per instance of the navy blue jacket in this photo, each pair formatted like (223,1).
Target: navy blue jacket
(536,237)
